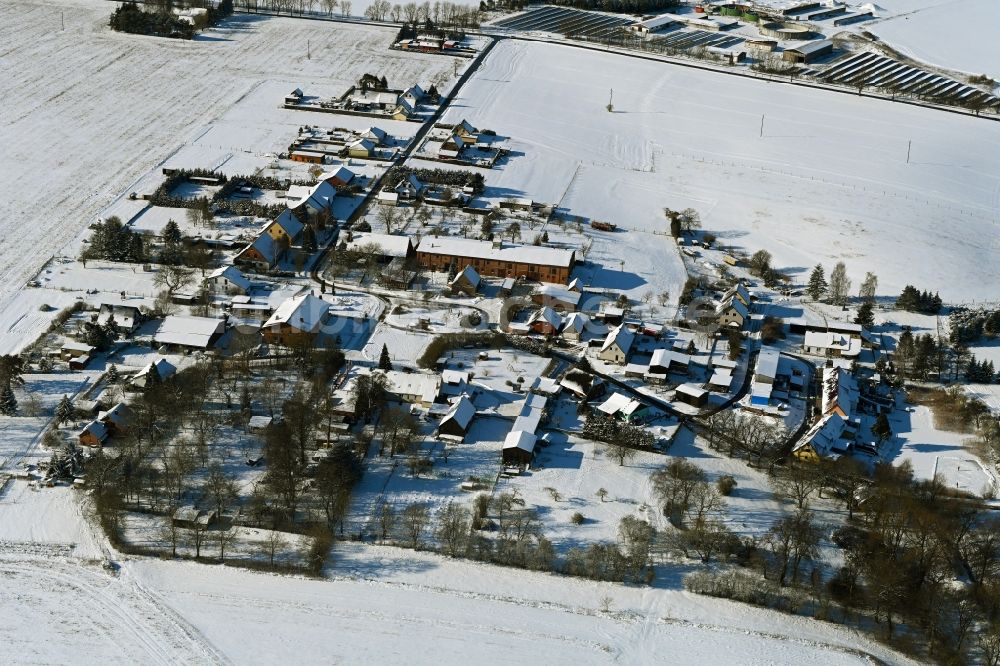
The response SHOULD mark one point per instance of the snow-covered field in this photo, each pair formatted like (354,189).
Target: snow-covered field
(827,181)
(377,605)
(88,112)
(933,31)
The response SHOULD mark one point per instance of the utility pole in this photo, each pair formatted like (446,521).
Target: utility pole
(762,125)
(62,18)
(308,50)
(909,145)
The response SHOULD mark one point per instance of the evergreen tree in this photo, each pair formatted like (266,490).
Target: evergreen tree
(171,233)
(113,376)
(8,403)
(309,239)
(64,410)
(384,361)
(817,283)
(882,428)
(865,316)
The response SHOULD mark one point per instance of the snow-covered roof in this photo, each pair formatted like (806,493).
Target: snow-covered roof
(562,294)
(469,274)
(233,275)
(461,412)
(73,345)
(376,132)
(549,316)
(519,439)
(738,289)
(522,254)
(811,47)
(264,244)
(423,386)
(691,390)
(341,173)
(304,312)
(658,21)
(840,389)
(735,304)
(767,363)
(620,403)
(721,377)
(847,345)
(391,246)
(318,197)
(620,336)
(824,436)
(545,386)
(664,357)
(532,410)
(188,331)
(576,323)
(97,429)
(366,144)
(120,414)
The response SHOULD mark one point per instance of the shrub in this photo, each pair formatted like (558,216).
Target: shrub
(577,518)
(726,485)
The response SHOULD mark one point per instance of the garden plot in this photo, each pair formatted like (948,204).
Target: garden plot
(115,106)
(828,180)
(934,452)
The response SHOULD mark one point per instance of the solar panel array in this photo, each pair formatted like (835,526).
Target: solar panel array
(873,70)
(685,40)
(565,21)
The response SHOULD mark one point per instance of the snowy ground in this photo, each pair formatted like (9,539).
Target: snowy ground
(827,181)
(932,31)
(88,112)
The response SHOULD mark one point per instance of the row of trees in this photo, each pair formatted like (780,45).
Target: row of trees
(162,22)
(913,300)
(113,241)
(838,289)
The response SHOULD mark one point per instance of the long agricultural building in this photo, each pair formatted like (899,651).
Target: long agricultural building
(496,259)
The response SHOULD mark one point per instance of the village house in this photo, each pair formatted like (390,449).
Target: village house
(416,388)
(94,433)
(825,439)
(666,361)
(452,148)
(116,419)
(518,448)
(546,386)
(831,344)
(583,385)
(764,377)
(562,299)
(364,148)
(840,392)
(534,410)
(409,187)
(189,332)
(732,313)
(455,383)
(389,246)
(262,254)
(374,134)
(624,408)
(285,228)
(155,371)
(739,292)
(296,321)
(617,345)
(691,394)
(496,259)
(227,280)
(466,282)
(294,98)
(308,202)
(455,424)
(307,156)
(126,317)
(575,326)
(545,321)
(72,350)
(339,177)
(721,380)
(190,517)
